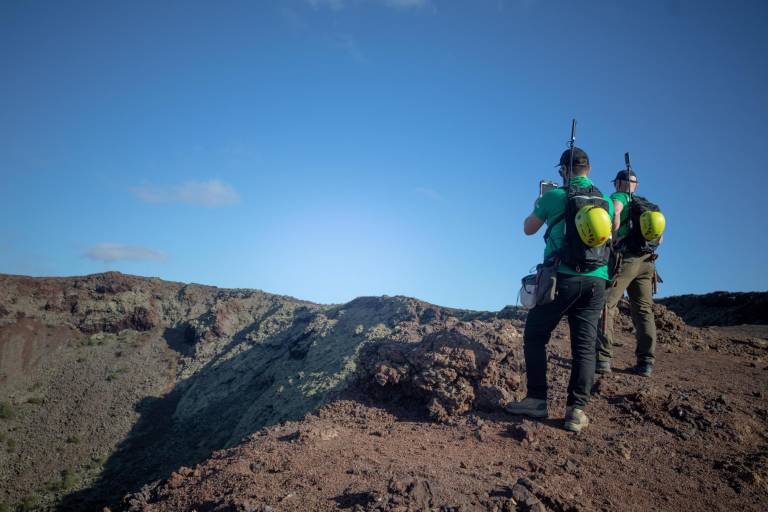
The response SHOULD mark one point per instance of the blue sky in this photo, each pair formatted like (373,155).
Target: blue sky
(329,149)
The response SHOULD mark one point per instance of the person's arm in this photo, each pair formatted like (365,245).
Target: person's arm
(532,224)
(618,206)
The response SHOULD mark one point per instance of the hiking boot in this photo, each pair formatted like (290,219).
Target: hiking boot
(575,419)
(531,407)
(603,367)
(643,369)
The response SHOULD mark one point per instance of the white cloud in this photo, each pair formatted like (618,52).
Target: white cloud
(116,252)
(211,193)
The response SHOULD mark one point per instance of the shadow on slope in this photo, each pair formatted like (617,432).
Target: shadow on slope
(252,385)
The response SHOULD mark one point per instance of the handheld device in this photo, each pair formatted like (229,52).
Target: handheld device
(545,186)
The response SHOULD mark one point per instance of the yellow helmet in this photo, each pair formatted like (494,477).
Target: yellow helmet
(652,224)
(594,225)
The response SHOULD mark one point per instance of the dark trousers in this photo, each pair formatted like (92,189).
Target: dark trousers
(581,298)
(636,276)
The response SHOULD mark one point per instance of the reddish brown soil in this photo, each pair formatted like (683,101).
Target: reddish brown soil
(111,384)
(692,437)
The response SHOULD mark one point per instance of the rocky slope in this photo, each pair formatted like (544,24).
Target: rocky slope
(112,381)
(693,437)
(114,385)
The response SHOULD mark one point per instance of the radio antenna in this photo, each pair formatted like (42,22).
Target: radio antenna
(629,174)
(571,145)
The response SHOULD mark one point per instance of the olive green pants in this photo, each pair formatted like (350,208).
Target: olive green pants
(636,277)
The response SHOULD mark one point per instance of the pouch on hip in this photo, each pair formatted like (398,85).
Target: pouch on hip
(546,283)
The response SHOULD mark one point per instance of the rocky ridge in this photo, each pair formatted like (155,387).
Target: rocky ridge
(176,372)
(166,372)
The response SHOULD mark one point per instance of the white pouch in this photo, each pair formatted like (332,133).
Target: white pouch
(527,295)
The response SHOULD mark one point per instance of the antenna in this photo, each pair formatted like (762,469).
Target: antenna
(569,171)
(571,144)
(629,175)
(629,190)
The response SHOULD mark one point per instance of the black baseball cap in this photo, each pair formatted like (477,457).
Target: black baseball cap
(579,157)
(624,175)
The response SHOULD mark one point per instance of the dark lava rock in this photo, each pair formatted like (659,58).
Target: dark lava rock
(720,308)
(453,371)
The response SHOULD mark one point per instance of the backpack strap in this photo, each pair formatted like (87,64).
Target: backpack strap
(590,189)
(554,223)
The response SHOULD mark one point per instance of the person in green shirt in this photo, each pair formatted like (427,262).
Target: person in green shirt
(635,275)
(552,206)
(580,296)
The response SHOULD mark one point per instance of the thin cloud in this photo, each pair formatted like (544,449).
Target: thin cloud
(429,193)
(330,4)
(337,5)
(350,46)
(406,4)
(210,194)
(109,253)
(150,194)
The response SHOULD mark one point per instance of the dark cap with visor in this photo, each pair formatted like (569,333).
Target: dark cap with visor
(625,176)
(579,157)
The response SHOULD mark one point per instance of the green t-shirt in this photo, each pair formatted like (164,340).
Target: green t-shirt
(552,205)
(623,198)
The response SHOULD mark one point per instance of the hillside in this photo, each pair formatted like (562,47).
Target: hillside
(141,394)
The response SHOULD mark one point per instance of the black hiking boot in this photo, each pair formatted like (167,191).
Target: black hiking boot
(643,369)
(603,367)
(531,407)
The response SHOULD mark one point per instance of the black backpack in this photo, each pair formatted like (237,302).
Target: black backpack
(575,253)
(635,242)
